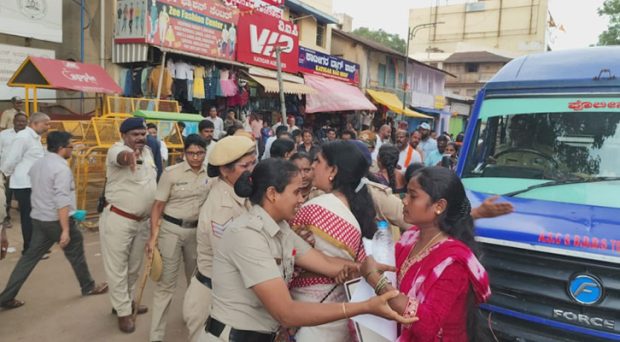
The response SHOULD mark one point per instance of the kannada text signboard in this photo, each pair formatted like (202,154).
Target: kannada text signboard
(318,63)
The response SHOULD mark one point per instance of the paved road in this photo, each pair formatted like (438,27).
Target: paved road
(55,311)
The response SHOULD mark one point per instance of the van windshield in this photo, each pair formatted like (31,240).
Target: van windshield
(554,145)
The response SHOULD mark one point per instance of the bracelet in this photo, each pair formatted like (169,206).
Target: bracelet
(371,272)
(381,284)
(344,311)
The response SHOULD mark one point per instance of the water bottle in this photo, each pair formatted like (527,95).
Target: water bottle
(383,247)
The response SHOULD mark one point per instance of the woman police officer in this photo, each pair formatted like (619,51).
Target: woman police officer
(230,157)
(255,261)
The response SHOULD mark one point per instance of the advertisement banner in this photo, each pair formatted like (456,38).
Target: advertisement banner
(39,19)
(131,18)
(206,28)
(270,7)
(260,34)
(11,57)
(318,63)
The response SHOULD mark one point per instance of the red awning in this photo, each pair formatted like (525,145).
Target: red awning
(65,75)
(334,96)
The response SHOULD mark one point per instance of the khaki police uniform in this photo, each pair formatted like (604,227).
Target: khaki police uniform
(253,250)
(123,224)
(221,206)
(388,206)
(184,191)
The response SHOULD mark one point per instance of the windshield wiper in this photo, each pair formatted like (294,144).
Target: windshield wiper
(561,182)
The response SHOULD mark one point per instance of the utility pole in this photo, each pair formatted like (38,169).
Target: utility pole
(411,32)
(281,84)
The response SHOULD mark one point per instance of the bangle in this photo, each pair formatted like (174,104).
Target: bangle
(381,284)
(344,311)
(371,272)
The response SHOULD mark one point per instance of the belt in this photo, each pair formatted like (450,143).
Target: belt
(125,214)
(206,281)
(215,328)
(180,223)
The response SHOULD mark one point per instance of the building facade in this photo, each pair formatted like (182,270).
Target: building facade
(516,27)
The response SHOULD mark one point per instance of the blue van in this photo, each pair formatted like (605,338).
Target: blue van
(545,136)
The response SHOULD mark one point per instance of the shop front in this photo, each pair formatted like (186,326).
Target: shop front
(390,103)
(337,100)
(184,51)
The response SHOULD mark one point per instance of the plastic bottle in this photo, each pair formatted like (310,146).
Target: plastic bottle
(383,246)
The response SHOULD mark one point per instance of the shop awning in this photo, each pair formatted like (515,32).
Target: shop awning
(334,96)
(394,104)
(271,86)
(167,116)
(42,72)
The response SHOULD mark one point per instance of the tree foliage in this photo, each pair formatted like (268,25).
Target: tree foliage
(611,36)
(390,40)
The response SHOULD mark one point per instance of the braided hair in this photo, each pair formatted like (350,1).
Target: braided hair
(388,157)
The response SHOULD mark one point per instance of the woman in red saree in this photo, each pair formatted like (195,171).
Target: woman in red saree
(439,277)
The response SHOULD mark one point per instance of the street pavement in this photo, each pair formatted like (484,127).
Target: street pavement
(55,310)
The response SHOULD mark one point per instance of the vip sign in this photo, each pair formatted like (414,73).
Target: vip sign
(261,35)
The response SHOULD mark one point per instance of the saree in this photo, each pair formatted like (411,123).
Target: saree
(338,234)
(438,283)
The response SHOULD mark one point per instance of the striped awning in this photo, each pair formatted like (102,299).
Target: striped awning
(271,86)
(129,53)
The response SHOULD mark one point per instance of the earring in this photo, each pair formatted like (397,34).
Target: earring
(438,212)
(331,179)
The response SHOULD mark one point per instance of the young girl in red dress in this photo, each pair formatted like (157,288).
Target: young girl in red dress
(439,277)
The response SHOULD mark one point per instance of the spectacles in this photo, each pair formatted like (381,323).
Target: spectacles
(195,154)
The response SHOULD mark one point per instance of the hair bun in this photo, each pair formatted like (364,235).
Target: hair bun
(244,185)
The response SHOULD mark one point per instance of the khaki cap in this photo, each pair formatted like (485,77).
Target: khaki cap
(231,148)
(156,266)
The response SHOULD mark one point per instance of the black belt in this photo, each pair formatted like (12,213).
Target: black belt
(206,281)
(215,328)
(179,222)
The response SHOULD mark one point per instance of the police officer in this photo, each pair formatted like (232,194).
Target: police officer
(123,226)
(230,157)
(256,259)
(181,192)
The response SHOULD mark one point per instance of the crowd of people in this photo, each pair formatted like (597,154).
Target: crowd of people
(266,231)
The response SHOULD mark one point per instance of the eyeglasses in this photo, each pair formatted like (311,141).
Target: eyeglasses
(195,154)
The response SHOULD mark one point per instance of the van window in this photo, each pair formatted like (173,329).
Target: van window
(558,143)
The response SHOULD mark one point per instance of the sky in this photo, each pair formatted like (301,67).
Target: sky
(579,17)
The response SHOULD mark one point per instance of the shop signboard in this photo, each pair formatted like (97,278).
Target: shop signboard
(38,19)
(270,7)
(261,34)
(205,28)
(318,63)
(131,20)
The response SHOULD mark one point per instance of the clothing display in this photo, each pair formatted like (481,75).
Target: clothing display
(199,82)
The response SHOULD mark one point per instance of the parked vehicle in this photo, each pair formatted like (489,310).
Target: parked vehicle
(545,135)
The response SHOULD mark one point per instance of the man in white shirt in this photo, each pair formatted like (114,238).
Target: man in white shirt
(383,137)
(24,152)
(291,124)
(152,129)
(205,129)
(427,144)
(7,136)
(280,131)
(6,120)
(408,154)
(218,124)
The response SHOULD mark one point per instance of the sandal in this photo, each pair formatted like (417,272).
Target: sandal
(12,304)
(98,289)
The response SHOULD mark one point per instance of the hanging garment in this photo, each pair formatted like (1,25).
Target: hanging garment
(199,82)
(217,76)
(123,81)
(166,88)
(190,90)
(180,89)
